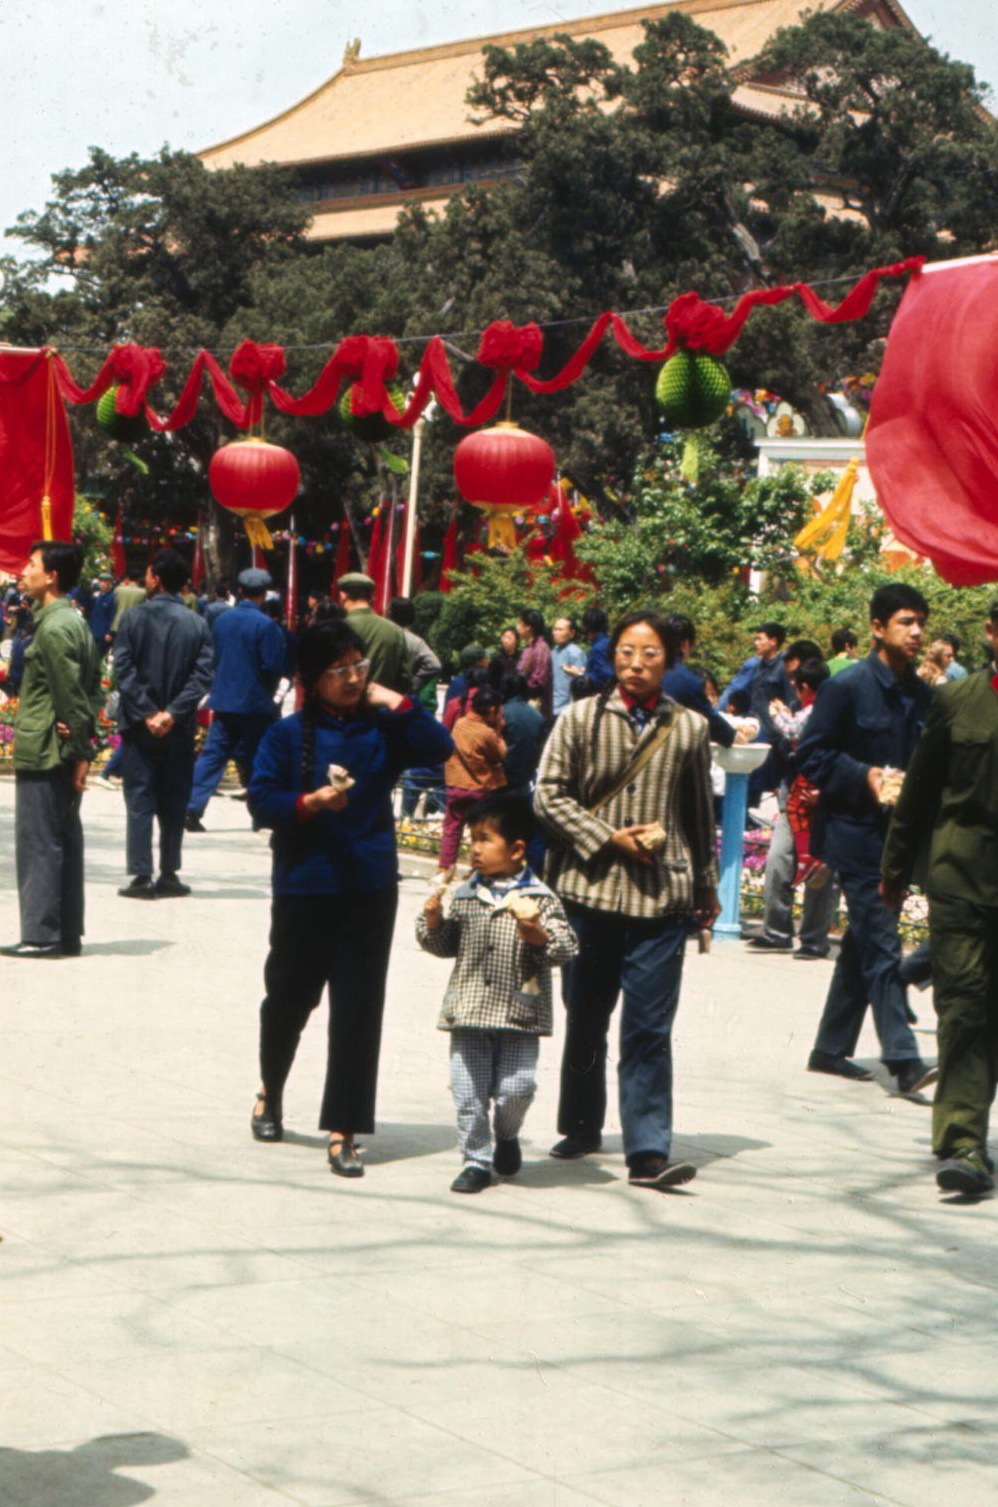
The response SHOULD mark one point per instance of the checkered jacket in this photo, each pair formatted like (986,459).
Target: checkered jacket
(673,788)
(499,983)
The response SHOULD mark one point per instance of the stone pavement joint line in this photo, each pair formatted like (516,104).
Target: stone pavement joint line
(190,1317)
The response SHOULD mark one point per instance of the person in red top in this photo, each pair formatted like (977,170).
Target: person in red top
(534,663)
(473,770)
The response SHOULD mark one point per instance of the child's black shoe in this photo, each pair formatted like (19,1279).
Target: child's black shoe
(471,1180)
(507,1160)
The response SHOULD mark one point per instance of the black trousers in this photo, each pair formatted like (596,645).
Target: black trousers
(49,838)
(342,941)
(157,775)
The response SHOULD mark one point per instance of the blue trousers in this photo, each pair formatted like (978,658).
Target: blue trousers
(156,775)
(643,961)
(867,972)
(232,735)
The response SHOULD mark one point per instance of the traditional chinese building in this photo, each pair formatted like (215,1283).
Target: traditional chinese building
(389,131)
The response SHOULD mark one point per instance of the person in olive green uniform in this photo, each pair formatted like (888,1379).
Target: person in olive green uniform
(52,750)
(384,642)
(944,835)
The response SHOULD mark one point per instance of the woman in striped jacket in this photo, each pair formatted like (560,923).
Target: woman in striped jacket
(624,792)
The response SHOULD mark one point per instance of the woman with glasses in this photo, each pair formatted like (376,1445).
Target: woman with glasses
(323,782)
(624,792)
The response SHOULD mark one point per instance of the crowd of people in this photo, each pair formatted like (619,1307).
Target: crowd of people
(578,766)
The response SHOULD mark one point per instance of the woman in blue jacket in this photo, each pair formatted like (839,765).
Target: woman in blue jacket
(335,876)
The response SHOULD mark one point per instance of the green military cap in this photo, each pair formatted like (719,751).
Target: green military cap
(355,580)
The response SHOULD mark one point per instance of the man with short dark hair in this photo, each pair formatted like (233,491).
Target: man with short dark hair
(954,669)
(845,645)
(943,834)
(384,642)
(102,613)
(52,750)
(863,729)
(249,664)
(162,666)
(684,686)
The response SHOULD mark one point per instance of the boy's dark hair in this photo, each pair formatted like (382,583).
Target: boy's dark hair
(595,620)
(843,639)
(170,569)
(485,701)
(514,687)
(402,611)
(811,673)
(683,627)
(897,596)
(511,815)
(739,703)
(953,640)
(802,649)
(581,687)
(775,631)
(65,561)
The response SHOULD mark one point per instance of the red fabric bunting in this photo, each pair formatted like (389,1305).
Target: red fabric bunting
(932,439)
(37,456)
(448,561)
(134,368)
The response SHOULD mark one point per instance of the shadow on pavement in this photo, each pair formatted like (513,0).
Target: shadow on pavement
(85,1476)
(135,947)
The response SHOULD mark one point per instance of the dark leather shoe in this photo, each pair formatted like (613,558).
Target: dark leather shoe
(345,1162)
(965,1172)
(655,1171)
(762,943)
(571,1147)
(193,823)
(471,1180)
(809,955)
(912,1076)
(32,950)
(171,887)
(140,888)
(839,1067)
(508,1159)
(267,1125)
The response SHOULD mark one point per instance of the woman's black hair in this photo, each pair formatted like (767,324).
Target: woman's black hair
(534,622)
(667,637)
(319,647)
(485,701)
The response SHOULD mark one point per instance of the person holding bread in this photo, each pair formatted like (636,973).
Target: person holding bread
(322,781)
(506,930)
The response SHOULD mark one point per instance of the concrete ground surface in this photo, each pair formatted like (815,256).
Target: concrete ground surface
(191,1318)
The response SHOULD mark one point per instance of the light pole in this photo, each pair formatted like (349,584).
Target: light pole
(409,538)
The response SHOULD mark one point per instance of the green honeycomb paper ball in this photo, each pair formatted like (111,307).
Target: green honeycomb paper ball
(373,427)
(118,425)
(692,389)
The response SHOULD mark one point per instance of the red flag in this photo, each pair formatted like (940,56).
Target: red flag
(36,457)
(449,560)
(383,575)
(342,565)
(119,564)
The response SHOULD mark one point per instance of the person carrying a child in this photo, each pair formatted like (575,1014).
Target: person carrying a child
(506,930)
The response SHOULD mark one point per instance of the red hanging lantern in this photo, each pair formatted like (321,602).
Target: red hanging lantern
(254,480)
(504,471)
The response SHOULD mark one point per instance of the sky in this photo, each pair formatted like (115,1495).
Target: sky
(131,77)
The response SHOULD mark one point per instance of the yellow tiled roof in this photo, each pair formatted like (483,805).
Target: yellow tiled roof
(412,99)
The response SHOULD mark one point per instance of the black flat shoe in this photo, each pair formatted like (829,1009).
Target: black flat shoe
(571,1147)
(508,1158)
(139,888)
(266,1125)
(345,1162)
(839,1067)
(471,1180)
(171,887)
(32,950)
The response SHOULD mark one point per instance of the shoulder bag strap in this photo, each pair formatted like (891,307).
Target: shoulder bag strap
(661,736)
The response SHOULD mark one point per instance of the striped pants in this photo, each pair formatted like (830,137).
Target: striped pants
(491,1066)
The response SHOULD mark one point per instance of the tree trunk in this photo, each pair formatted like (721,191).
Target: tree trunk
(221,547)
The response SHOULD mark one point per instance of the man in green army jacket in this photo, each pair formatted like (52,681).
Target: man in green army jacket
(384,642)
(944,835)
(52,750)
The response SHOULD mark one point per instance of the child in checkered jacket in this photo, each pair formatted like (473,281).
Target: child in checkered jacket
(506,929)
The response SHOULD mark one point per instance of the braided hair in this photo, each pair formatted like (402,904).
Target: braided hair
(667,636)
(319,647)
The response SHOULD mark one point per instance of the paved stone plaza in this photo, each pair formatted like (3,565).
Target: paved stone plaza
(191,1318)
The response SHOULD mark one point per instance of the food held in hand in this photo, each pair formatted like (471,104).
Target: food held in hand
(523,908)
(890,789)
(652,839)
(340,778)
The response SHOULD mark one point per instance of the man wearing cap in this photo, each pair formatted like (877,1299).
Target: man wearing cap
(103,609)
(384,642)
(249,663)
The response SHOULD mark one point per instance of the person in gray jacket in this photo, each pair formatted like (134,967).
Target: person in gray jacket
(163,667)
(506,929)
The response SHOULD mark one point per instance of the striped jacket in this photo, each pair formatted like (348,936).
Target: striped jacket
(499,983)
(673,788)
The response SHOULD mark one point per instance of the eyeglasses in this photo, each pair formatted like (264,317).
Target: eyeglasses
(347,672)
(646,656)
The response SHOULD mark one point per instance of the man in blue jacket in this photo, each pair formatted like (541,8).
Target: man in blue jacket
(686,687)
(865,724)
(249,663)
(162,666)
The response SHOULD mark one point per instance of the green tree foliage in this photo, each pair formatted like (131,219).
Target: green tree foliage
(92,530)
